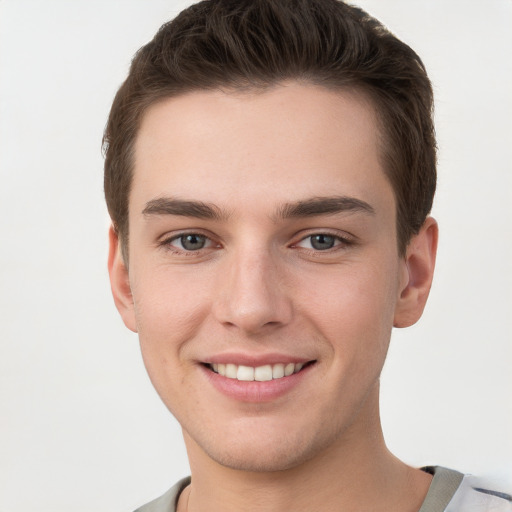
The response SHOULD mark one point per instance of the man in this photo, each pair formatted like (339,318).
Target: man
(270,168)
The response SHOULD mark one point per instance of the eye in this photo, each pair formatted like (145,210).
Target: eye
(320,242)
(191,242)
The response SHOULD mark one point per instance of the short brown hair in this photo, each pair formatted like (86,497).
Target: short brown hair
(254,44)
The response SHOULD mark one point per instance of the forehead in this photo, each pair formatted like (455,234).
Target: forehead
(279,144)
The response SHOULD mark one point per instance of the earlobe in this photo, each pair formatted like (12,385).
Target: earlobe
(119,282)
(420,261)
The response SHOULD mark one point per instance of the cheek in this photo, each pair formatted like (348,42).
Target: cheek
(169,309)
(354,310)
(169,312)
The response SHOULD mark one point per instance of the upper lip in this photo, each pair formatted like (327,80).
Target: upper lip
(255,360)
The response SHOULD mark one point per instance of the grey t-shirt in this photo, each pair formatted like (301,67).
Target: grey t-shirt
(450,491)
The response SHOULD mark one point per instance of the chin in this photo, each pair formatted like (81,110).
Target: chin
(266,452)
(254,460)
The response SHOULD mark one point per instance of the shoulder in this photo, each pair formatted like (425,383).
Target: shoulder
(474,495)
(167,502)
(451,491)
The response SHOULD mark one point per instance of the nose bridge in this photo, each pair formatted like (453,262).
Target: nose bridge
(252,290)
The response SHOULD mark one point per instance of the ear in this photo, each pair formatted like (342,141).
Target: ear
(120,282)
(419,266)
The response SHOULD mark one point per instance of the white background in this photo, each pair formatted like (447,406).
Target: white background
(81,429)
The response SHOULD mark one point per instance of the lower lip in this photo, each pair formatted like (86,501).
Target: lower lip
(255,391)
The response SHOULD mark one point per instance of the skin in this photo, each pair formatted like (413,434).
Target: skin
(260,286)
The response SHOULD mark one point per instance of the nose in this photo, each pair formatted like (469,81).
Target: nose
(253,293)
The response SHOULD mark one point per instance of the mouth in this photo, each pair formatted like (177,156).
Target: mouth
(262,373)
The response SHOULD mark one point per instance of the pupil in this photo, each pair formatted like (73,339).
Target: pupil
(193,242)
(322,242)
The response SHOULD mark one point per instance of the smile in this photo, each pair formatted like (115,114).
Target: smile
(259,373)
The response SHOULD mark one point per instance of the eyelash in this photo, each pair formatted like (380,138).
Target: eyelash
(167,243)
(340,243)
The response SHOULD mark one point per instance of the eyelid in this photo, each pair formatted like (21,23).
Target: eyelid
(208,241)
(165,241)
(343,239)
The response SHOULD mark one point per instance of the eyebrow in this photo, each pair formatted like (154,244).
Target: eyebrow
(324,206)
(171,206)
(305,208)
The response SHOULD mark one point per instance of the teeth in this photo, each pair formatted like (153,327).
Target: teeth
(260,373)
(289,369)
(231,371)
(278,371)
(263,373)
(244,373)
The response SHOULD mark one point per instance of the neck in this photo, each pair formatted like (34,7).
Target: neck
(357,472)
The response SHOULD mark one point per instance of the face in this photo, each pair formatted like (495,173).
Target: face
(264,276)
